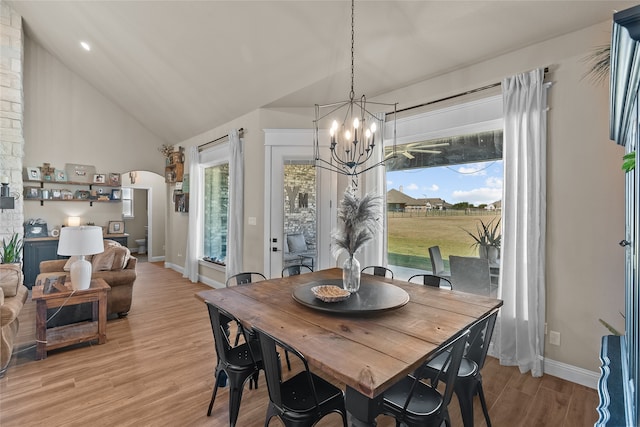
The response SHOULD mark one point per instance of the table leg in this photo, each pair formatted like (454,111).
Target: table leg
(102,317)
(362,410)
(41,330)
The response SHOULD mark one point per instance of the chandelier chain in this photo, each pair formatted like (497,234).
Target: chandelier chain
(352,94)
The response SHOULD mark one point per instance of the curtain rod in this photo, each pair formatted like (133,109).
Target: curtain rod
(458,95)
(217,140)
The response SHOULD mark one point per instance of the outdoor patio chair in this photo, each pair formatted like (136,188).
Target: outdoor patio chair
(470,274)
(437,264)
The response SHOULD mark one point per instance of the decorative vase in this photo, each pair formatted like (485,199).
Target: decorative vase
(351,274)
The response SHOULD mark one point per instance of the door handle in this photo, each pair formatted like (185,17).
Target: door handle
(624,243)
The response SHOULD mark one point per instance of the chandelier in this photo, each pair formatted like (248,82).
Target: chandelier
(356,144)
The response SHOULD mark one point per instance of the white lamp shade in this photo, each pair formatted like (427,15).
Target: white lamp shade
(80,241)
(84,240)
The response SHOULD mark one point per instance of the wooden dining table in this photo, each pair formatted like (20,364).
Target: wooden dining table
(368,351)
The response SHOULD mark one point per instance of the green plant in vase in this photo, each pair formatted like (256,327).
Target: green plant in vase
(359,222)
(487,238)
(12,250)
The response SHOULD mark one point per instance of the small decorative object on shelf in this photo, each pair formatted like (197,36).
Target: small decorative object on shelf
(48,173)
(360,220)
(174,163)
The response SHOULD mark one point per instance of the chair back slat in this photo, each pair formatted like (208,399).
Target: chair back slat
(378,271)
(480,338)
(244,277)
(272,367)
(431,280)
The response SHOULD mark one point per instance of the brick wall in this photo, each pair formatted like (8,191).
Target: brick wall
(11,114)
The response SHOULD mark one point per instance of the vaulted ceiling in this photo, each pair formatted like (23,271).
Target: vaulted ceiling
(184,67)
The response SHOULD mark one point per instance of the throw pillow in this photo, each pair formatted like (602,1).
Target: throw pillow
(103,261)
(10,279)
(296,243)
(1,296)
(121,257)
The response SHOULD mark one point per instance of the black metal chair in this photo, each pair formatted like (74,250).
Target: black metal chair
(377,270)
(302,399)
(239,363)
(437,264)
(414,403)
(244,278)
(431,280)
(469,380)
(294,270)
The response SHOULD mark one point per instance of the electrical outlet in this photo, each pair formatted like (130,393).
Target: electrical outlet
(554,337)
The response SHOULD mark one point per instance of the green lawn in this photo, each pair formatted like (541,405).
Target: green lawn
(410,237)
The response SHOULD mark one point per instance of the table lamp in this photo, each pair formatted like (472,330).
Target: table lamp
(80,241)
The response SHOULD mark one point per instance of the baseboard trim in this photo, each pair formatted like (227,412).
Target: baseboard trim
(571,373)
(207,281)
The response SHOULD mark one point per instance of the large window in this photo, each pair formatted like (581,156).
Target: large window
(445,180)
(216,210)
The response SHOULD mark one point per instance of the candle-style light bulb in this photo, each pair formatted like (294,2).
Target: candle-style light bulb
(347,135)
(356,123)
(373,127)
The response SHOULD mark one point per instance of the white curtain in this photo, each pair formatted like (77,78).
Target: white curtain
(235,224)
(194,233)
(374,181)
(520,332)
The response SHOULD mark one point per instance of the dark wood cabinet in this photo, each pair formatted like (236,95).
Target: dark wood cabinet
(36,250)
(45,249)
(619,385)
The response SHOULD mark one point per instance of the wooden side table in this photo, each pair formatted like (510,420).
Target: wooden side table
(62,336)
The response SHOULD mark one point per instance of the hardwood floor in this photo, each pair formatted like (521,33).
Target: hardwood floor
(156,369)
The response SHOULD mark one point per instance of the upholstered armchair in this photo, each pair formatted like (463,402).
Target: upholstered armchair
(13,295)
(115,265)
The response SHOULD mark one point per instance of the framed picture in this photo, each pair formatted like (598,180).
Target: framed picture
(114,179)
(31,192)
(56,193)
(79,173)
(181,202)
(82,195)
(116,194)
(61,175)
(99,178)
(116,227)
(33,174)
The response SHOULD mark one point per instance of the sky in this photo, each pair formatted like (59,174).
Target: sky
(475,183)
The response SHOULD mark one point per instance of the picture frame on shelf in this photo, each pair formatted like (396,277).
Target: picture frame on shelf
(116,194)
(31,192)
(114,179)
(80,173)
(60,175)
(82,195)
(33,174)
(116,227)
(99,178)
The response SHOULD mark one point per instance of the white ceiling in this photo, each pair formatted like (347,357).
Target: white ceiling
(184,67)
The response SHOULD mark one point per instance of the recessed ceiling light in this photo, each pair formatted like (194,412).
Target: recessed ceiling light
(85,46)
